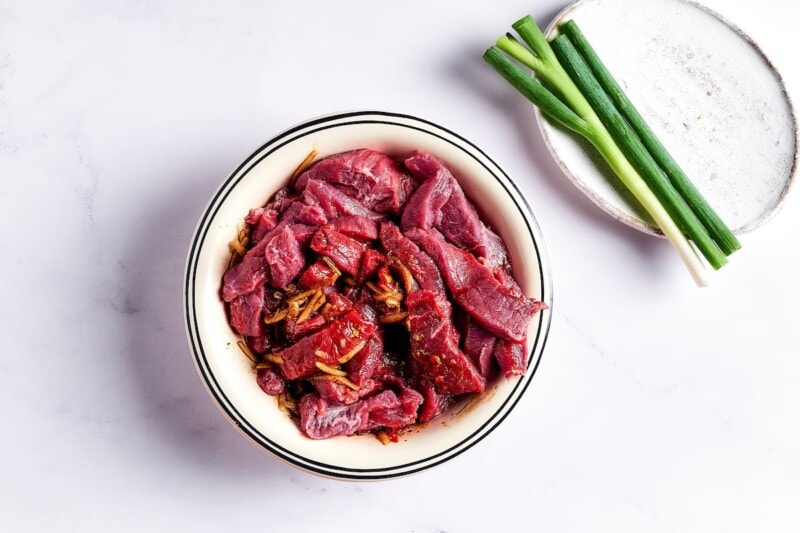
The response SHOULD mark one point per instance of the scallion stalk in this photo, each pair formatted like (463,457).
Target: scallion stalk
(721,234)
(534,91)
(575,89)
(551,71)
(590,127)
(635,151)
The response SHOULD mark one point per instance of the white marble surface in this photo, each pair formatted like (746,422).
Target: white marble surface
(657,406)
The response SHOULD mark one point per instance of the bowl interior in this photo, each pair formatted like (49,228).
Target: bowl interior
(228,373)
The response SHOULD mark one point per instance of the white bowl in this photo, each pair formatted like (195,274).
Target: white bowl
(228,374)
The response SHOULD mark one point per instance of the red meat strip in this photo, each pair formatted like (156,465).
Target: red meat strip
(295,331)
(512,357)
(303,233)
(313,215)
(262,220)
(364,364)
(270,381)
(245,276)
(420,264)
(434,344)
(319,419)
(282,200)
(390,410)
(285,258)
(246,311)
(425,205)
(337,306)
(479,345)
(494,306)
(328,344)
(357,227)
(440,202)
(371,261)
(254,269)
(335,203)
(508,281)
(260,344)
(433,403)
(334,392)
(317,275)
(344,251)
(372,177)
(462,226)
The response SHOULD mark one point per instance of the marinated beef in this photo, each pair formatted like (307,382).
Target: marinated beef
(512,357)
(260,344)
(365,363)
(389,410)
(294,330)
(337,306)
(434,403)
(434,345)
(346,295)
(247,275)
(262,220)
(245,312)
(371,261)
(493,305)
(356,226)
(424,207)
(479,345)
(335,390)
(319,419)
(270,381)
(319,274)
(344,251)
(461,225)
(334,202)
(440,202)
(284,256)
(312,215)
(373,178)
(421,266)
(254,268)
(329,344)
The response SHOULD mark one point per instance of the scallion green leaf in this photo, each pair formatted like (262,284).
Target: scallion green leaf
(721,234)
(635,151)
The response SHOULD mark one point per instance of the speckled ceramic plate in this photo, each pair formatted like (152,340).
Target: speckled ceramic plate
(229,375)
(708,92)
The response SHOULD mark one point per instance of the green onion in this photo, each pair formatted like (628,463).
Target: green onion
(601,139)
(534,91)
(549,69)
(636,152)
(568,92)
(709,218)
